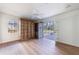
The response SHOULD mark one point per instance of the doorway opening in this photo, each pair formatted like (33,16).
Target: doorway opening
(36,30)
(46,33)
(49,30)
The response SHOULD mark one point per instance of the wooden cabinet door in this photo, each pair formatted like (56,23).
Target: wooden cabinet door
(23,30)
(27,29)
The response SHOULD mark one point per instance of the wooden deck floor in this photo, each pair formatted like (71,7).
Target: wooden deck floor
(34,47)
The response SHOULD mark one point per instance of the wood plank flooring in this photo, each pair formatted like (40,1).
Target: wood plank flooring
(34,47)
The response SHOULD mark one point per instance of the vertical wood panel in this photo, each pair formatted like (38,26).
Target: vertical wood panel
(27,29)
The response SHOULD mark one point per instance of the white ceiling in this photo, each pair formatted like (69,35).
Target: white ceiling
(36,10)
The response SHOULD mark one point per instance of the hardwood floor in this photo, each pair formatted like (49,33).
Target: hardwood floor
(35,47)
(42,47)
(69,49)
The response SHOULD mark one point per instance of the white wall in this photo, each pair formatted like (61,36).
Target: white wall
(68,27)
(5,35)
